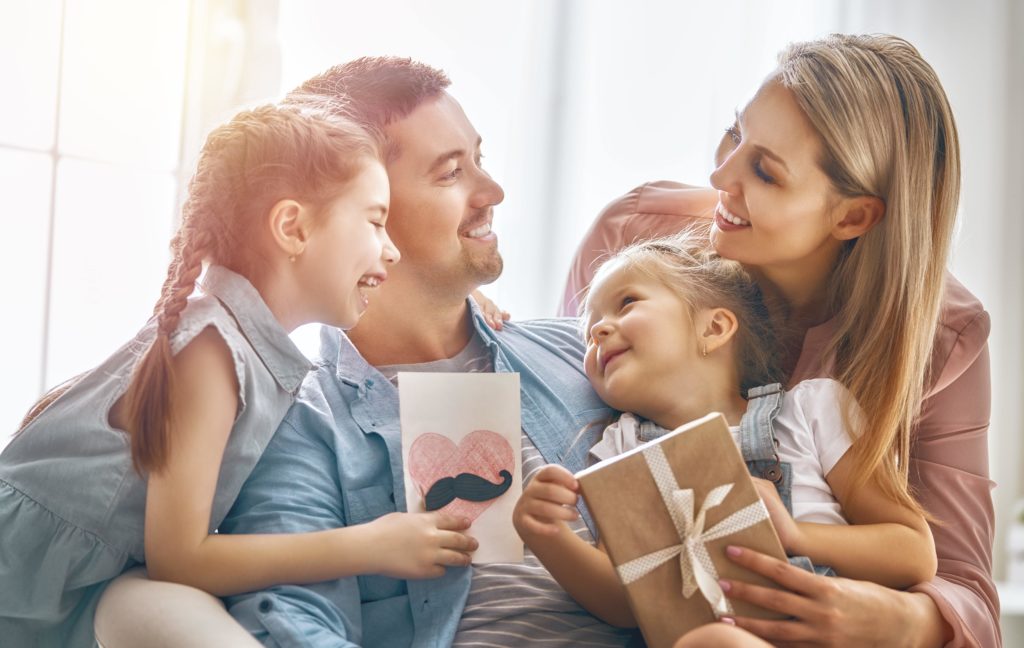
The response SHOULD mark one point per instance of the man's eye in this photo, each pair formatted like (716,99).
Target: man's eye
(453,174)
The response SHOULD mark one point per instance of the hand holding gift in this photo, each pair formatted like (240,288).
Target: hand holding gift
(665,512)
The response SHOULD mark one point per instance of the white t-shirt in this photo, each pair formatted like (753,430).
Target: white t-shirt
(812,439)
(811,436)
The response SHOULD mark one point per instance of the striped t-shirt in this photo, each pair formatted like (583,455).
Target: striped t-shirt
(519,604)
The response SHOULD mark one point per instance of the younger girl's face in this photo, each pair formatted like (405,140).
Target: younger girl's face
(639,336)
(348,249)
(773,209)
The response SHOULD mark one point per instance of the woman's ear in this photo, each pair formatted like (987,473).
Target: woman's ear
(715,327)
(289,224)
(857,216)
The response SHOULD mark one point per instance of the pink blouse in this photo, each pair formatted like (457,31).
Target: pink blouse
(949,455)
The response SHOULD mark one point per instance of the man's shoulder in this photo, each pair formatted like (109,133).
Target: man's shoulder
(554,334)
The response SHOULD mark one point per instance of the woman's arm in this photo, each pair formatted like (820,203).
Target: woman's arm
(826,611)
(180,548)
(651,210)
(949,473)
(584,571)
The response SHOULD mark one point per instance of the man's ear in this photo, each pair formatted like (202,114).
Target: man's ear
(289,226)
(857,216)
(715,327)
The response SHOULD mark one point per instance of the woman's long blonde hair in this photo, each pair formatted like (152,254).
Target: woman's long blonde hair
(887,131)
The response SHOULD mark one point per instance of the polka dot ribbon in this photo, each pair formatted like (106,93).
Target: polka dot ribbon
(694,561)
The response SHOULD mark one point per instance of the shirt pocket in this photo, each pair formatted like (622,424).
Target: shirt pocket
(365,505)
(368,503)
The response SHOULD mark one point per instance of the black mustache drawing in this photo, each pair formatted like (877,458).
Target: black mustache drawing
(465,486)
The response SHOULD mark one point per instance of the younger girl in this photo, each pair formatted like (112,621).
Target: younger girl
(674,332)
(139,459)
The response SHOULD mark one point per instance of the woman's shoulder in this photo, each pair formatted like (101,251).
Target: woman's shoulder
(961,335)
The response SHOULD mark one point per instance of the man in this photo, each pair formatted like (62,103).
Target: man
(336,459)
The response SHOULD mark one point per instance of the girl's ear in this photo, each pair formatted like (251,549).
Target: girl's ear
(715,327)
(857,216)
(289,226)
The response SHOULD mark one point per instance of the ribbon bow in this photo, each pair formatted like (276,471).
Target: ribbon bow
(694,561)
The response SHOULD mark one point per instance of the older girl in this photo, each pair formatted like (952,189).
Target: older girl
(139,459)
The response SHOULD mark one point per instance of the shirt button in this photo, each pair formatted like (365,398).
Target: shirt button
(369,382)
(266,606)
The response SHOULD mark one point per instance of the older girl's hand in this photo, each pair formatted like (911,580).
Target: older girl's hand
(827,611)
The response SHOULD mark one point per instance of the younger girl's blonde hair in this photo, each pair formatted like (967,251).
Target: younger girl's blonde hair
(887,131)
(687,265)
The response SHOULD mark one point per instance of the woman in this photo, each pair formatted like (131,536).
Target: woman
(837,187)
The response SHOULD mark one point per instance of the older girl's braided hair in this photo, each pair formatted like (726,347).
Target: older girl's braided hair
(260,157)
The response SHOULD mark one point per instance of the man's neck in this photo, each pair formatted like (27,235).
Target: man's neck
(410,329)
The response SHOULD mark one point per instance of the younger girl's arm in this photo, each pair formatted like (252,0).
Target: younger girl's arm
(179,547)
(584,571)
(885,542)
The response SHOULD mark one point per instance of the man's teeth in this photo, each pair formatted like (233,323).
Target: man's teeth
(732,218)
(479,232)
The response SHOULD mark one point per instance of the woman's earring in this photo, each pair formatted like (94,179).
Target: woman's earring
(704,351)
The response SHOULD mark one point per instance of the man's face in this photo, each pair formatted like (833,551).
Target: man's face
(442,200)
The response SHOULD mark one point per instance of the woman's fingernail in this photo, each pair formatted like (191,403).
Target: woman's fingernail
(728,621)
(733,551)
(725,585)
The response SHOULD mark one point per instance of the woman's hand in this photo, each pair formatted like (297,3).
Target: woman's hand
(547,501)
(832,611)
(493,315)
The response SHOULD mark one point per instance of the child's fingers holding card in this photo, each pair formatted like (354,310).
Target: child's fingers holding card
(451,522)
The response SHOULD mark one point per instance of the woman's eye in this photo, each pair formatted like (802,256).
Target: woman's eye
(759,171)
(733,134)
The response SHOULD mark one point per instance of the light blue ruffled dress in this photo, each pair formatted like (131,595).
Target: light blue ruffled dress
(72,507)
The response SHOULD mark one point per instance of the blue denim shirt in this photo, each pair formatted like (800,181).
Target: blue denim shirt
(336,460)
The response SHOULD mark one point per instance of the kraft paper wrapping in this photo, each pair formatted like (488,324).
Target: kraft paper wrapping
(674,579)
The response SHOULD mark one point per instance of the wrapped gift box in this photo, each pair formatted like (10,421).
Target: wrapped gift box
(665,512)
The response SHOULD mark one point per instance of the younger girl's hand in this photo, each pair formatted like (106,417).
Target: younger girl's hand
(493,315)
(547,501)
(785,526)
(420,545)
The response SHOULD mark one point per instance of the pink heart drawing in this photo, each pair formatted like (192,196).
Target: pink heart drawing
(482,452)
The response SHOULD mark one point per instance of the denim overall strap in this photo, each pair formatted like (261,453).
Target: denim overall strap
(760,452)
(757,438)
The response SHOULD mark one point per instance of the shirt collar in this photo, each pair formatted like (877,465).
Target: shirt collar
(352,368)
(266,335)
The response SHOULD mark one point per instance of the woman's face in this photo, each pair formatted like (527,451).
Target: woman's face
(774,200)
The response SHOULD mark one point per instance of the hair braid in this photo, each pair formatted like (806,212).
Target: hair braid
(149,400)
